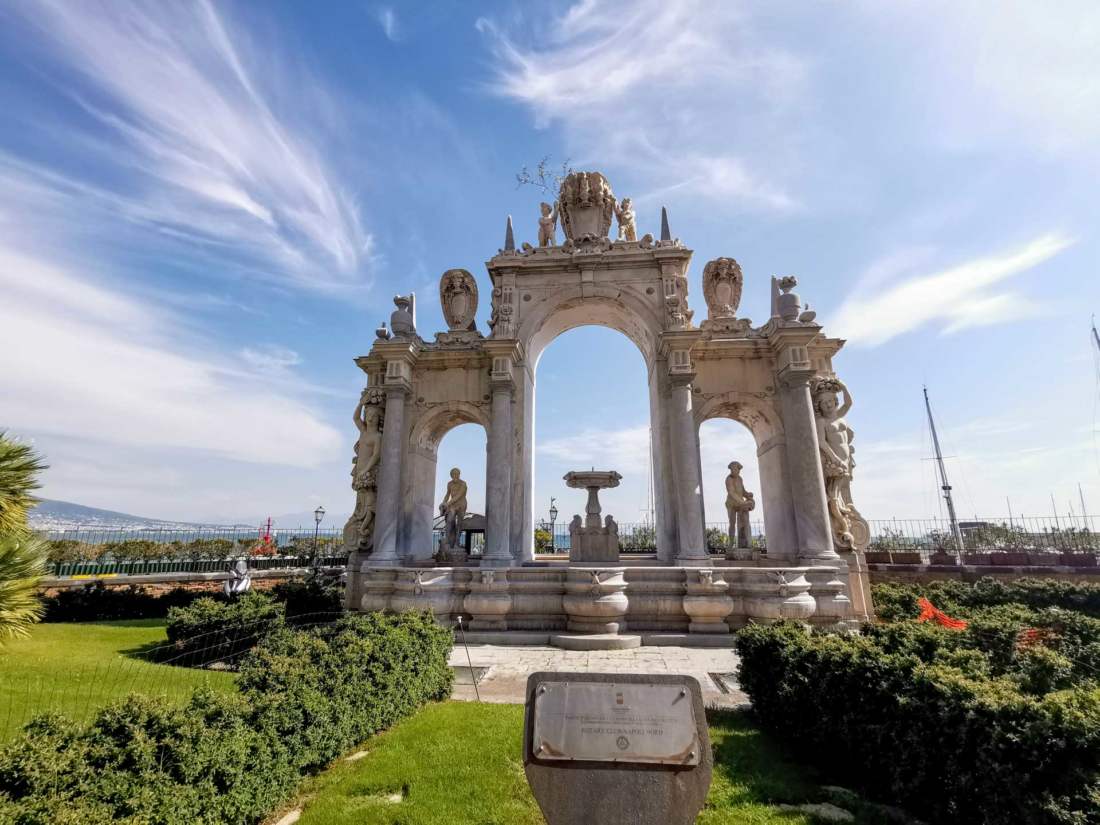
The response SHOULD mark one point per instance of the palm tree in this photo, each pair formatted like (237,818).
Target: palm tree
(22,554)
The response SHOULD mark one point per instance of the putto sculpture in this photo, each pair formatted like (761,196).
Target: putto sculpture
(834,437)
(624,212)
(722,285)
(548,224)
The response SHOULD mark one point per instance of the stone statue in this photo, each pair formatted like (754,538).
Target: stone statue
(739,503)
(722,284)
(624,212)
(834,436)
(359,530)
(458,297)
(548,224)
(453,510)
(239,581)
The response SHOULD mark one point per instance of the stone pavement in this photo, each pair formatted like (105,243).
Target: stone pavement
(507,668)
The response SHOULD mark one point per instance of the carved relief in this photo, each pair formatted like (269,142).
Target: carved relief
(586,204)
(501,321)
(458,295)
(369,421)
(722,285)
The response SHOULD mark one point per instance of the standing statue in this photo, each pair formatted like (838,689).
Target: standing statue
(739,503)
(359,530)
(834,436)
(548,224)
(624,212)
(453,510)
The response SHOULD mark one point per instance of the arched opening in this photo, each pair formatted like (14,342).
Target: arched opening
(430,461)
(722,441)
(462,448)
(593,415)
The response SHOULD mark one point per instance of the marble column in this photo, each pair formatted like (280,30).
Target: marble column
(498,483)
(388,506)
(692,550)
(807,481)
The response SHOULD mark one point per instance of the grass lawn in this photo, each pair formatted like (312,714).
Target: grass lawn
(76,668)
(460,762)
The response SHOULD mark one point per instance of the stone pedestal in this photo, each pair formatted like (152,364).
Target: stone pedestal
(594,544)
(595,600)
(488,601)
(707,602)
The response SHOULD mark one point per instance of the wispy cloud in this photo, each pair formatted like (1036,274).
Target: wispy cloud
(684,89)
(198,151)
(625,450)
(387,19)
(84,361)
(270,358)
(955,298)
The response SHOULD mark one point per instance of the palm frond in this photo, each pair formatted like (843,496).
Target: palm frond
(19,469)
(22,565)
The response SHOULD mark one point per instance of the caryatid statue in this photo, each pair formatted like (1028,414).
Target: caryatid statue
(624,212)
(548,224)
(359,530)
(835,437)
(453,509)
(739,503)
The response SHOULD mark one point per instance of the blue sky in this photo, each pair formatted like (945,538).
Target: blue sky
(206,208)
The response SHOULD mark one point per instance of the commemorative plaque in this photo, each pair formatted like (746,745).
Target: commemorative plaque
(616,748)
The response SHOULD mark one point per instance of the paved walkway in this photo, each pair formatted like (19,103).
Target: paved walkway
(507,668)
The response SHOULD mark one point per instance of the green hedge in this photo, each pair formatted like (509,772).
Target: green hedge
(305,698)
(899,601)
(220,630)
(915,715)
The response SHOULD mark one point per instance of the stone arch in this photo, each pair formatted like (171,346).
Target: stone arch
(633,314)
(760,417)
(425,435)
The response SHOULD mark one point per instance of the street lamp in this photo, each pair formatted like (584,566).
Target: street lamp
(553,518)
(318,514)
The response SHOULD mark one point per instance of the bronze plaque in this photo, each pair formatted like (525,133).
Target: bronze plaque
(615,722)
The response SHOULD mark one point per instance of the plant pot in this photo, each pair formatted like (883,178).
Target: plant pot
(944,559)
(905,558)
(1043,559)
(1008,559)
(977,558)
(877,557)
(1079,559)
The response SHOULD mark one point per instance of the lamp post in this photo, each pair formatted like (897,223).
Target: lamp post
(318,514)
(553,518)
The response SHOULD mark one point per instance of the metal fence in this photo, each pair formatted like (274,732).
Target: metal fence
(641,537)
(1021,534)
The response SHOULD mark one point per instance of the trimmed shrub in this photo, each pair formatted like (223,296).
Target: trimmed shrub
(899,601)
(219,630)
(306,697)
(310,600)
(908,713)
(95,602)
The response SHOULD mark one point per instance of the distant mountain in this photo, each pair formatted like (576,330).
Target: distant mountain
(287,521)
(65,515)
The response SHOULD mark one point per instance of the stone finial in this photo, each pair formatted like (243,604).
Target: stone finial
(382,333)
(666,234)
(509,237)
(403,319)
(785,303)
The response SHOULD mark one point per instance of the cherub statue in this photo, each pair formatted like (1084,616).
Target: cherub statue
(548,223)
(624,212)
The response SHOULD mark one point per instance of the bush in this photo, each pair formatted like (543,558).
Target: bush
(218,630)
(306,697)
(908,711)
(95,602)
(308,600)
(899,601)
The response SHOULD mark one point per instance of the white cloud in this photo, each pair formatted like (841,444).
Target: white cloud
(959,297)
(625,450)
(685,90)
(387,19)
(198,149)
(82,361)
(270,358)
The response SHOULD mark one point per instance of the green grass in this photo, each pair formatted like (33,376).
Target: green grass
(460,762)
(76,668)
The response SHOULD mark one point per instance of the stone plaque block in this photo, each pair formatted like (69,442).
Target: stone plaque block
(616,748)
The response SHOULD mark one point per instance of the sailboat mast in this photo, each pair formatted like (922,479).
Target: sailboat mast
(944,485)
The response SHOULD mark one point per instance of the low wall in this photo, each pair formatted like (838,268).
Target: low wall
(163,582)
(916,573)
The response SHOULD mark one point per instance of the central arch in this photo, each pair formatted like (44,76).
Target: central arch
(632,315)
